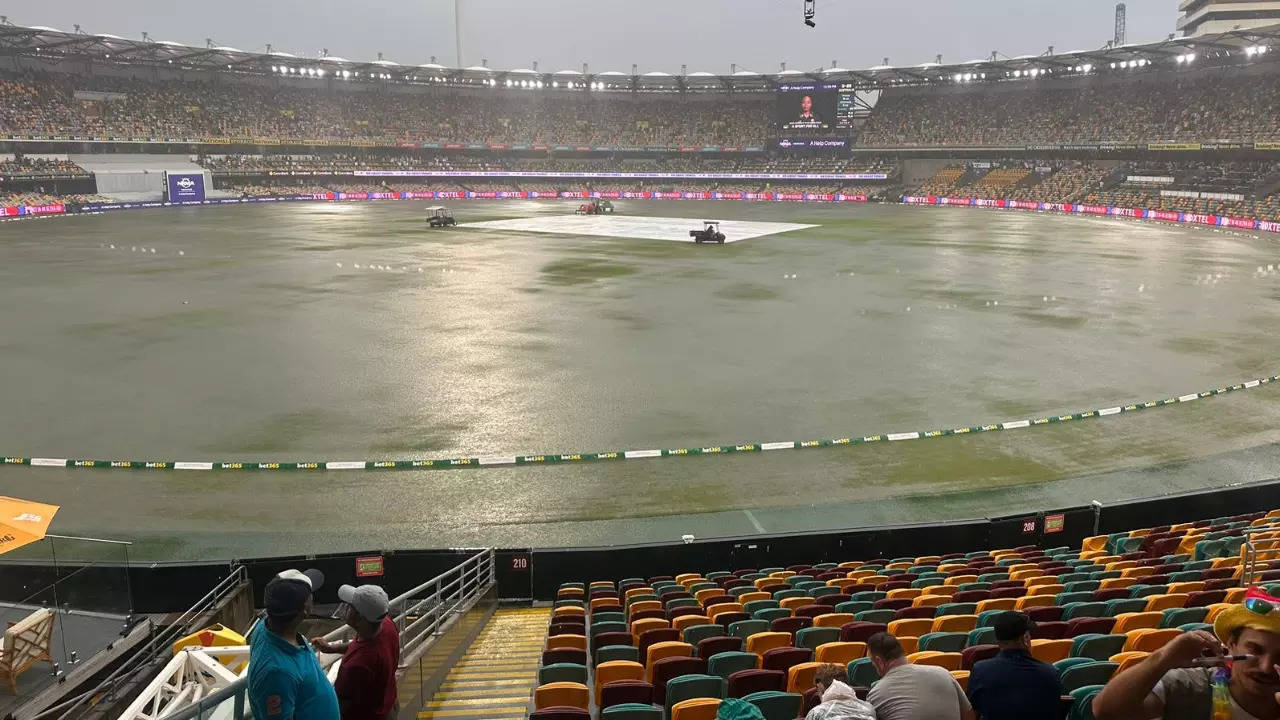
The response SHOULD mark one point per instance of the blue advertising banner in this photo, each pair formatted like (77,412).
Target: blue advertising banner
(185,187)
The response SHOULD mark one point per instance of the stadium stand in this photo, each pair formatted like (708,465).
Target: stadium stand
(673,646)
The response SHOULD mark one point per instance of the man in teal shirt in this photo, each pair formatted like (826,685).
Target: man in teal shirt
(286,681)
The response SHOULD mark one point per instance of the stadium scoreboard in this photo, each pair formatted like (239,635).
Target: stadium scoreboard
(815,106)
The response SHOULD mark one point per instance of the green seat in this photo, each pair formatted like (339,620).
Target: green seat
(682,602)
(795,580)
(1081,586)
(1072,577)
(770,570)
(1123,605)
(1099,648)
(1090,673)
(993,577)
(1209,549)
(753,605)
(687,687)
(1078,641)
(562,672)
(631,711)
(982,636)
(618,652)
(825,566)
(776,705)
(874,616)
(694,588)
(1200,565)
(823,589)
(987,618)
(924,582)
(790,593)
(718,574)
(737,592)
(1142,591)
(1173,617)
(771,614)
(578,585)
(862,673)
(607,626)
(1082,702)
(1128,545)
(697,633)
(955,609)
(812,637)
(853,607)
(1064,599)
(727,663)
(809,586)
(963,587)
(868,595)
(1189,627)
(1104,575)
(1185,576)
(944,641)
(752,577)
(1074,610)
(871,566)
(1062,665)
(640,598)
(663,587)
(607,617)
(568,602)
(746,628)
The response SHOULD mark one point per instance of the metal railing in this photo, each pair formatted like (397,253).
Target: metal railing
(420,615)
(1260,550)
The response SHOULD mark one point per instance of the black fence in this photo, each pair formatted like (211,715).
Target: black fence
(536,573)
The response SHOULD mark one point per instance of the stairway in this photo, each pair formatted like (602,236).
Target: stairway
(495,679)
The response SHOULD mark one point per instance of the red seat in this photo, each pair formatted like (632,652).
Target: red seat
(971,655)
(728,618)
(1044,613)
(655,613)
(914,612)
(670,668)
(674,613)
(1009,592)
(811,611)
(564,655)
(790,625)
(971,596)
(620,692)
(1203,598)
(1051,630)
(745,682)
(1110,594)
(713,645)
(1083,625)
(892,603)
(560,713)
(654,636)
(832,600)
(859,631)
(783,658)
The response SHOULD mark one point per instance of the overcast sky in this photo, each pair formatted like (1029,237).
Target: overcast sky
(611,35)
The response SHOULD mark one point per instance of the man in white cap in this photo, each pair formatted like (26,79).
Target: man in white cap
(366,682)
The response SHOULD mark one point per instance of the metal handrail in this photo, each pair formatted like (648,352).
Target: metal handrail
(1251,554)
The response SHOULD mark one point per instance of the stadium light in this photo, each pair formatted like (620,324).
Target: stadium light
(555,84)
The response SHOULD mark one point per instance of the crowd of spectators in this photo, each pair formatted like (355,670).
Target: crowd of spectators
(39,166)
(46,104)
(1194,107)
(16,198)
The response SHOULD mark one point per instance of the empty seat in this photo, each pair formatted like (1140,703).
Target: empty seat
(1148,640)
(948,660)
(760,643)
(814,636)
(776,705)
(560,713)
(561,694)
(562,672)
(1050,651)
(746,682)
(564,655)
(708,647)
(616,670)
(943,641)
(655,636)
(700,708)
(617,652)
(694,685)
(973,654)
(859,631)
(783,658)
(727,663)
(663,650)
(840,653)
(1089,673)
(1098,647)
(624,692)
(669,668)
(747,628)
(1135,621)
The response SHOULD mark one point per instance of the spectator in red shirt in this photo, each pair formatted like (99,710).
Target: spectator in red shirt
(366,683)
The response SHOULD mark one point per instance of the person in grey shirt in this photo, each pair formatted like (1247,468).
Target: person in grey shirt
(912,692)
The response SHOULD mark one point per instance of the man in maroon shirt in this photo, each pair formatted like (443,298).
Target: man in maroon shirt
(366,683)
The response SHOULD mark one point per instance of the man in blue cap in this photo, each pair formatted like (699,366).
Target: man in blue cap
(286,681)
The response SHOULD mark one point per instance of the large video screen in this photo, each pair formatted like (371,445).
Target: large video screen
(814,106)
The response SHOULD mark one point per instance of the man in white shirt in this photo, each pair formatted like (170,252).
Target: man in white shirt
(912,692)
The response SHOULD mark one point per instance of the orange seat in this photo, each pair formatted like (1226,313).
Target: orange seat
(1214,609)
(954,623)
(597,603)
(840,653)
(702,595)
(1120,565)
(570,642)
(898,566)
(1235,596)
(909,643)
(782,574)
(833,620)
(1054,590)
(841,583)
(1225,562)
(682,577)
(1148,640)
(721,608)
(569,593)
(1136,621)
(683,621)
(638,627)
(930,601)
(615,670)
(792,603)
(1156,603)
(1051,651)
(1026,574)
(761,582)
(960,579)
(899,593)
(1138,572)
(632,592)
(1114,583)
(1127,660)
(761,642)
(1141,532)
(962,678)
(604,584)
(568,610)
(1040,580)
(1188,587)
(800,676)
(670,648)
(948,567)
(910,626)
(995,604)
(928,560)
(561,694)
(1094,544)
(875,580)
(1030,601)
(696,709)
(745,598)
(947,590)
(641,606)
(948,660)
(859,574)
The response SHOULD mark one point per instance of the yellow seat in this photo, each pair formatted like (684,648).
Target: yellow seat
(721,608)
(632,592)
(1051,651)
(850,565)
(689,582)
(1186,587)
(702,595)
(1126,660)
(1141,532)
(1235,596)
(696,709)
(800,676)
(745,598)
(687,576)
(859,574)
(928,560)
(782,574)
(561,694)
(568,610)
(840,653)
(792,603)
(909,643)
(960,579)
(658,651)
(995,604)
(597,603)
(680,622)
(948,660)
(875,580)
(834,620)
(638,627)
(641,606)
(1094,544)
(1136,621)
(1120,565)
(1148,639)
(947,590)
(841,583)
(1138,572)
(899,593)
(910,626)
(930,601)
(1120,582)
(1156,603)
(962,678)
(567,642)
(954,623)
(615,670)
(1214,609)
(1026,574)
(761,642)
(1034,582)
(897,566)
(1030,601)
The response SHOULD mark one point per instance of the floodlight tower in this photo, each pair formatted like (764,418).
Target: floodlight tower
(1119,38)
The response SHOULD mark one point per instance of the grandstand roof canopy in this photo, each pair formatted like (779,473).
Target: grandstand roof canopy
(51,44)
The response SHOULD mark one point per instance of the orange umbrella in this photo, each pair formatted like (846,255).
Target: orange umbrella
(23,522)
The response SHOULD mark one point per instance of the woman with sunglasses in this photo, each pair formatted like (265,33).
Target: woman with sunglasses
(1232,673)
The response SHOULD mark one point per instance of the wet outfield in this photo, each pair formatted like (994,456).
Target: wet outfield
(346,332)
